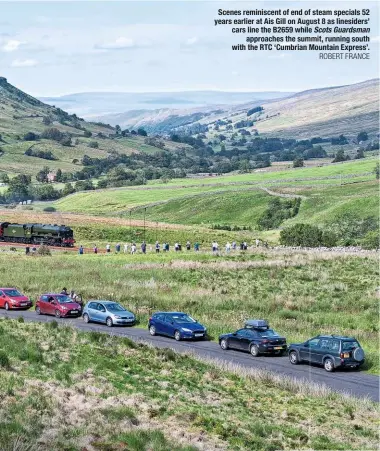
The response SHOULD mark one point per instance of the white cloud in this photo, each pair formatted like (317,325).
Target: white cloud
(119,43)
(12,45)
(375,39)
(24,63)
(234,72)
(192,41)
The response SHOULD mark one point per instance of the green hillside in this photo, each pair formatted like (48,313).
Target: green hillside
(21,114)
(122,199)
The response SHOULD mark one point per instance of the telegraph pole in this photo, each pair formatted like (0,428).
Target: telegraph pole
(130,225)
(144,221)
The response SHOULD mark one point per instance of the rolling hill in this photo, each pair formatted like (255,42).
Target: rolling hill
(95,104)
(319,112)
(21,114)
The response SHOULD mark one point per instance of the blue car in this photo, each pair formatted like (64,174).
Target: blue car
(108,312)
(176,324)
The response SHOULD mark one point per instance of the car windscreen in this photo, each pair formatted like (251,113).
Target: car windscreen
(12,293)
(347,345)
(267,333)
(115,308)
(182,319)
(62,299)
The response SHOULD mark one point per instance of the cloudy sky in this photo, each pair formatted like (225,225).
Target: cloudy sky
(55,48)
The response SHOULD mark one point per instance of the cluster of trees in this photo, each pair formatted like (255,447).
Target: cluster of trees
(228,227)
(306,235)
(346,229)
(281,149)
(155,142)
(20,188)
(50,133)
(45,154)
(277,211)
(254,110)
(195,142)
(241,124)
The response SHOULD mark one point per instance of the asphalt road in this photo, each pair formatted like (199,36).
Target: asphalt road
(355,383)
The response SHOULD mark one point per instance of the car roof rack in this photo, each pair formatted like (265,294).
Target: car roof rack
(256,324)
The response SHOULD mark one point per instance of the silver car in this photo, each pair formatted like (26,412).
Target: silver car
(108,312)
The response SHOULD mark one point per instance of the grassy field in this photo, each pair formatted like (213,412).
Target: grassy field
(68,390)
(301,294)
(117,200)
(262,175)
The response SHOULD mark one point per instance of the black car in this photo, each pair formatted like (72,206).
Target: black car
(331,351)
(255,338)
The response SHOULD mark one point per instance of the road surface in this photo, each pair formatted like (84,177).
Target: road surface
(355,383)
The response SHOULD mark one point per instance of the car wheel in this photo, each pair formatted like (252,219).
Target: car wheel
(57,314)
(6,306)
(109,322)
(293,357)
(328,365)
(177,335)
(254,350)
(224,344)
(38,310)
(152,331)
(86,318)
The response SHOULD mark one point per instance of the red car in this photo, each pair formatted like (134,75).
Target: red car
(59,305)
(10,298)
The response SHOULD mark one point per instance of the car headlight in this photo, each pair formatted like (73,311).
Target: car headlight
(186,330)
(64,308)
(13,301)
(117,316)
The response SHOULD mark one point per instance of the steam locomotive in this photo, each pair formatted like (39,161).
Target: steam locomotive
(48,234)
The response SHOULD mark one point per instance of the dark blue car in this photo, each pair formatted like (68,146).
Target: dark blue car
(176,324)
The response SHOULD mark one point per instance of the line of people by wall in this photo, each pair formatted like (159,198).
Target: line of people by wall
(132,248)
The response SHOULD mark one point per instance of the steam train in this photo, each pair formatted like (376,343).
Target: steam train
(48,234)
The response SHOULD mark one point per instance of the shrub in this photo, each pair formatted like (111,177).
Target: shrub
(277,212)
(362,136)
(52,133)
(93,144)
(4,360)
(298,163)
(371,240)
(66,141)
(30,136)
(305,235)
(141,132)
(87,134)
(20,319)
(43,250)
(49,209)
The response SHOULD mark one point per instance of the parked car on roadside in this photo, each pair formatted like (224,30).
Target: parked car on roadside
(59,305)
(256,338)
(11,298)
(178,325)
(108,312)
(331,351)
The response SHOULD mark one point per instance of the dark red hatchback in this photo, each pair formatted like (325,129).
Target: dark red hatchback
(59,305)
